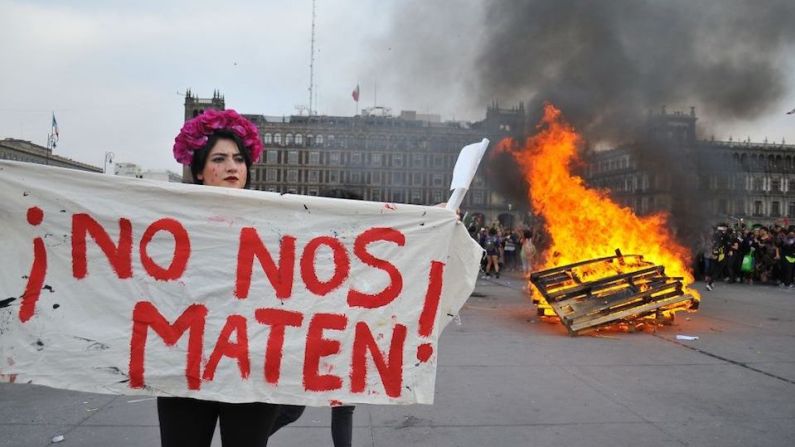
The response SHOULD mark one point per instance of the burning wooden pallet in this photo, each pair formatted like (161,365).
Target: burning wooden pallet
(616,289)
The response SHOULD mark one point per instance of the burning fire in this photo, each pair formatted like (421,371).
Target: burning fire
(584,223)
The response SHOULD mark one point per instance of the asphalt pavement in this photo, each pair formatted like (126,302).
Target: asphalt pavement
(506,378)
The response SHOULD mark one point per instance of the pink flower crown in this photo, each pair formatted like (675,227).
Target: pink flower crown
(196,132)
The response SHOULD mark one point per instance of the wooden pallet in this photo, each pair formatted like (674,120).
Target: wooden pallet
(627,289)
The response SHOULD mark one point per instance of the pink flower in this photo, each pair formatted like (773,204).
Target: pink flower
(196,132)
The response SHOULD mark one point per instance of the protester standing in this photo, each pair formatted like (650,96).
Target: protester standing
(219,147)
(788,258)
(528,253)
(492,244)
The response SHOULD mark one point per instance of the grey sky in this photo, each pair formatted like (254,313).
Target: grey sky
(111,71)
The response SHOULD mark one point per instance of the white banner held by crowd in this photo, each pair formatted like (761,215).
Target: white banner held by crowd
(129,286)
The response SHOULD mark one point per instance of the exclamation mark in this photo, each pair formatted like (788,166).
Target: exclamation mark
(429,310)
(37,271)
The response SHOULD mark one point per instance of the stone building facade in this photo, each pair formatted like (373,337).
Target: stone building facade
(674,171)
(21,150)
(407,158)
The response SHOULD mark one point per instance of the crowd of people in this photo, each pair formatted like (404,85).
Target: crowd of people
(506,249)
(741,254)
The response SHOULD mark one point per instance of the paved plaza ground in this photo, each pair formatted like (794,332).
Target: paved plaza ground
(507,379)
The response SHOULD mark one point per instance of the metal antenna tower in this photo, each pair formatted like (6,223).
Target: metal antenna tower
(312,63)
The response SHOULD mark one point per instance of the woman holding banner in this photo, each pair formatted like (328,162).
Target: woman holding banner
(219,147)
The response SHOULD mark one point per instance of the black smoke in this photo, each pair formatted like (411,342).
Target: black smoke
(604,63)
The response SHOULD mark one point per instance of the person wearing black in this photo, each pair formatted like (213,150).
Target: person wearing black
(219,147)
(788,258)
(720,248)
(492,244)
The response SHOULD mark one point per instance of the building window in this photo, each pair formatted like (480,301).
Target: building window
(270,175)
(312,191)
(397,196)
(758,184)
(334,158)
(791,212)
(319,140)
(397,160)
(314,158)
(288,139)
(399,178)
(438,161)
(376,160)
(722,206)
(267,138)
(775,209)
(375,195)
(758,208)
(416,196)
(437,180)
(437,196)
(356,177)
(271,157)
(775,185)
(416,179)
(292,176)
(375,178)
(299,139)
(477,197)
(739,207)
(314,176)
(417,161)
(292,157)
(277,138)
(356,158)
(333,177)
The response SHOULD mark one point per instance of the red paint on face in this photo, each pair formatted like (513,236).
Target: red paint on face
(225,166)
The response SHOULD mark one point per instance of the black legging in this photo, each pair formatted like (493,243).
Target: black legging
(191,422)
(787,270)
(341,422)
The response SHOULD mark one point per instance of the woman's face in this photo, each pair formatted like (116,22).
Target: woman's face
(225,166)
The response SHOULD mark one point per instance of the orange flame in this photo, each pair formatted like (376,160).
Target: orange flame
(585,223)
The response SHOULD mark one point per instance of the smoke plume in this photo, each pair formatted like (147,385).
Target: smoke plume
(603,63)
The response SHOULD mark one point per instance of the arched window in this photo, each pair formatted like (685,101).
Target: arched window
(267,138)
(277,138)
(288,139)
(319,140)
(299,139)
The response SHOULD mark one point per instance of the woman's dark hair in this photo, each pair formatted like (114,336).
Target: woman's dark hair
(492,231)
(200,155)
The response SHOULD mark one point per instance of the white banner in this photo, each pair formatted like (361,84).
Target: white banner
(128,286)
